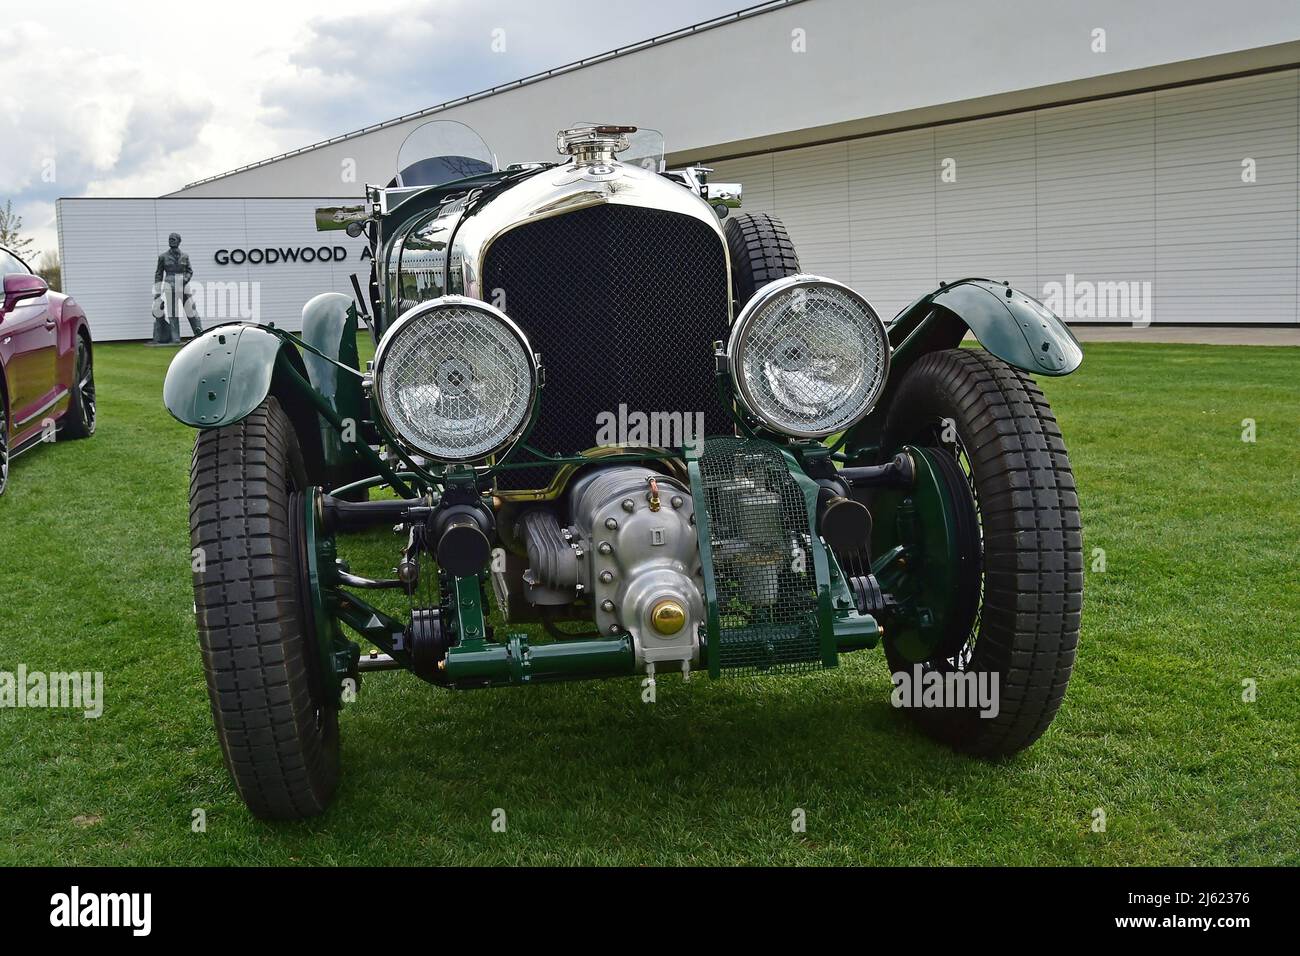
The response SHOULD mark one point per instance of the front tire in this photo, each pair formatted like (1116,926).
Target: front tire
(279,735)
(82,410)
(995,422)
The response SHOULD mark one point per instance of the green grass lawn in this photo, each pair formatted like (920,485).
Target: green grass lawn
(1200,592)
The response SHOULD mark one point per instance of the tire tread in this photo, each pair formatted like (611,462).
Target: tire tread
(1033,548)
(250,618)
(760,250)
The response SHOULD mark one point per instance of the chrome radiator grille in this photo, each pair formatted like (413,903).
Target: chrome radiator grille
(623,303)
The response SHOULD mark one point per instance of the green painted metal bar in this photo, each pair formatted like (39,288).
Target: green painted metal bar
(371,623)
(713,630)
(327,412)
(515,662)
(856,632)
(889,566)
(821,566)
(471,618)
(853,631)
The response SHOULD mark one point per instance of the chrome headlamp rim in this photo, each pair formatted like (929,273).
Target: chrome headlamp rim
(737,339)
(460,302)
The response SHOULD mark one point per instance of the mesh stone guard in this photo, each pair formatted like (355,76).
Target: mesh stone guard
(765,570)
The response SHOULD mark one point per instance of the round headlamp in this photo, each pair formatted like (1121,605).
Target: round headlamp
(809,356)
(455,380)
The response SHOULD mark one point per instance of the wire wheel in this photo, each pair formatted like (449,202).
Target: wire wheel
(948,441)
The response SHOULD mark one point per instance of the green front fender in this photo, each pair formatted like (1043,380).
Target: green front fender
(329,325)
(223,374)
(1015,327)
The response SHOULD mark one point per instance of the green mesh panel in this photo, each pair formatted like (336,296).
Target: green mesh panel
(763,565)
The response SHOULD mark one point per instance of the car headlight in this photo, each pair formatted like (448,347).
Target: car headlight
(809,356)
(455,380)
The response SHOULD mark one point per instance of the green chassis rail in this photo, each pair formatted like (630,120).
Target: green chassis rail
(919,569)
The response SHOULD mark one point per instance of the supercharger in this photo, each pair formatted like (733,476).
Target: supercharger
(630,551)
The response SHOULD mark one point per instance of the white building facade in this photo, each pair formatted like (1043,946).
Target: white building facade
(1127,163)
(253,259)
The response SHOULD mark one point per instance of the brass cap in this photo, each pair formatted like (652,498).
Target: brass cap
(668,616)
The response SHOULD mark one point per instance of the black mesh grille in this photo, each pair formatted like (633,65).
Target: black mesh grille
(763,566)
(623,303)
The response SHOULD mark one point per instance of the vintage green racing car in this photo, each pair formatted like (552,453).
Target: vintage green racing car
(601,399)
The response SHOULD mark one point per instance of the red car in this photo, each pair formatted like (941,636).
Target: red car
(47,378)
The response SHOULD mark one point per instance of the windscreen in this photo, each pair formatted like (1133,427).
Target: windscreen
(442,151)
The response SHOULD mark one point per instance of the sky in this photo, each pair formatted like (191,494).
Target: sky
(132,98)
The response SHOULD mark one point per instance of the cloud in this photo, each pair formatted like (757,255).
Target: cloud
(70,118)
(353,70)
(96,101)
(105,116)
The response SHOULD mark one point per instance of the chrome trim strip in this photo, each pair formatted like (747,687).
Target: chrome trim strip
(25,447)
(19,423)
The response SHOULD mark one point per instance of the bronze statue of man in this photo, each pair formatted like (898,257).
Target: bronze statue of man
(172,294)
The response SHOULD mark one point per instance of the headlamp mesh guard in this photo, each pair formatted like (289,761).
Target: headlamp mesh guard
(809,356)
(455,380)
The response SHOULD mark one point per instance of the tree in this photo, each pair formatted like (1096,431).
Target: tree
(50,269)
(11,228)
